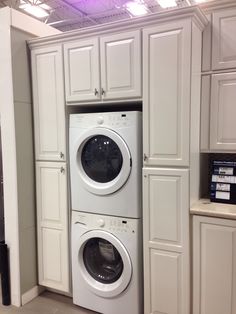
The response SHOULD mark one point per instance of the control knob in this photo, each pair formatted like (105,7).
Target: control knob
(100,120)
(101,223)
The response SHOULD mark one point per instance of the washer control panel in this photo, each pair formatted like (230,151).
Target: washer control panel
(107,223)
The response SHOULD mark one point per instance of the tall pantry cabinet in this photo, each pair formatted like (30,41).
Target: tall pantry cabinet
(51,169)
(171,112)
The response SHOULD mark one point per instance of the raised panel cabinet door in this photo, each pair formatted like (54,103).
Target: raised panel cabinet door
(214,266)
(49,103)
(52,225)
(166,240)
(224,39)
(166,104)
(121,65)
(223,112)
(166,290)
(82,70)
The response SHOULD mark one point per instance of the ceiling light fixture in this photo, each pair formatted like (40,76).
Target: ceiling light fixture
(136,8)
(199,1)
(167,3)
(40,10)
(36,11)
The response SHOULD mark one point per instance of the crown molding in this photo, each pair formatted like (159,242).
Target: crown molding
(211,6)
(193,12)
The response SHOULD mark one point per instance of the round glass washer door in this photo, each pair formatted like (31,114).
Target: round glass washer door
(104,262)
(104,161)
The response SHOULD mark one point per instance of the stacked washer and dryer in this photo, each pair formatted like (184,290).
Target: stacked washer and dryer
(105,171)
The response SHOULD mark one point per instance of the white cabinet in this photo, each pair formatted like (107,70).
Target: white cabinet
(119,76)
(166,111)
(214,266)
(52,220)
(166,240)
(51,175)
(49,109)
(82,80)
(223,112)
(121,65)
(224,39)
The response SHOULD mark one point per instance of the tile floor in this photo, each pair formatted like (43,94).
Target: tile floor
(46,303)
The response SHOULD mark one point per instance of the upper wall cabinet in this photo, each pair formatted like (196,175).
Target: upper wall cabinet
(224,39)
(82,70)
(167,59)
(119,76)
(49,109)
(121,65)
(223,112)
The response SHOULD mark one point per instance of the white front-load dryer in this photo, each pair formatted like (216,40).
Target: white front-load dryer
(105,163)
(107,263)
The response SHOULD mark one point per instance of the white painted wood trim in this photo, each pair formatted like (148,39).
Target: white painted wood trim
(205,112)
(31,294)
(9,161)
(207,45)
(214,5)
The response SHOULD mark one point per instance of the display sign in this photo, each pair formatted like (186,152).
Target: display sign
(223,182)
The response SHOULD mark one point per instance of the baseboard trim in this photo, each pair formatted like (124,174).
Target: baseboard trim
(31,294)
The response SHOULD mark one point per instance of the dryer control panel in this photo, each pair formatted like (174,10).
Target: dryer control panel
(103,119)
(107,223)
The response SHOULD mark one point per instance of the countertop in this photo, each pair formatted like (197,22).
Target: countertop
(207,208)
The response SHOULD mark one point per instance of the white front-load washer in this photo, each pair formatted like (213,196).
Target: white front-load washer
(107,263)
(105,163)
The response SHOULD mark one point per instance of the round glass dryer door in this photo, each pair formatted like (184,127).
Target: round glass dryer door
(104,161)
(104,262)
